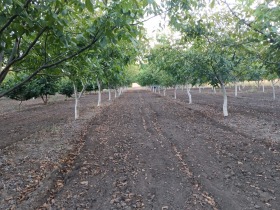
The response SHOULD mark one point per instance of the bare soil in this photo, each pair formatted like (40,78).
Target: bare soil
(145,151)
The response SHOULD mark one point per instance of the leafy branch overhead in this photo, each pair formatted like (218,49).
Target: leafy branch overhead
(40,35)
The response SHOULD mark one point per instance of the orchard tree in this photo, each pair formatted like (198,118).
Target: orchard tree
(26,92)
(79,78)
(65,87)
(38,35)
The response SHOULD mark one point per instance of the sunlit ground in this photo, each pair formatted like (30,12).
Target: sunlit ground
(135,85)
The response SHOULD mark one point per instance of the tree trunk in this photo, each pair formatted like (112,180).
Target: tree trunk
(45,99)
(199,89)
(1,59)
(225,108)
(164,92)
(19,106)
(116,93)
(109,94)
(214,90)
(175,92)
(77,99)
(235,89)
(99,92)
(120,91)
(263,88)
(273,89)
(189,93)
(77,114)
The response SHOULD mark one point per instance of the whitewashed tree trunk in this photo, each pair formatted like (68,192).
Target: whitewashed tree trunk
(189,93)
(76,102)
(116,93)
(109,91)
(175,92)
(99,92)
(214,90)
(159,90)
(199,89)
(273,89)
(164,92)
(120,91)
(239,87)
(1,59)
(225,108)
(77,99)
(235,89)
(263,88)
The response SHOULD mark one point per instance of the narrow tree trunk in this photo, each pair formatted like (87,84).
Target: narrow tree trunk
(76,102)
(214,90)
(99,92)
(235,89)
(120,91)
(189,93)
(44,99)
(263,88)
(273,89)
(164,92)
(239,87)
(199,89)
(116,93)
(1,59)
(77,99)
(19,106)
(175,92)
(225,108)
(109,94)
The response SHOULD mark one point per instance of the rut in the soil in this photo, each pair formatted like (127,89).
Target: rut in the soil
(146,152)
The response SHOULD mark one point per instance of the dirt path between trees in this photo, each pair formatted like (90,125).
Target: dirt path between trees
(149,152)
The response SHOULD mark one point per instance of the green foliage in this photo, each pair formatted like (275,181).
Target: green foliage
(65,87)
(24,93)
(39,35)
(46,85)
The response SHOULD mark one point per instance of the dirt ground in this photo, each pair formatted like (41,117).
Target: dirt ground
(144,151)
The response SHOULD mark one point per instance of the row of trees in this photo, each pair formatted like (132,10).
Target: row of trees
(239,42)
(68,46)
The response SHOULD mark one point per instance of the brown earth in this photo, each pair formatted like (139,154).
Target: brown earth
(146,151)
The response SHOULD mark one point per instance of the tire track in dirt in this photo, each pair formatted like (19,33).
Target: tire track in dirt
(199,196)
(232,124)
(146,152)
(237,157)
(133,172)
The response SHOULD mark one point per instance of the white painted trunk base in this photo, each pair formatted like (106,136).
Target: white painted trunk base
(225,108)
(273,89)
(109,94)
(189,94)
(99,93)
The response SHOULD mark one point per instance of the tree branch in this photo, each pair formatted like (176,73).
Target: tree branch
(249,24)
(94,40)
(13,18)
(13,61)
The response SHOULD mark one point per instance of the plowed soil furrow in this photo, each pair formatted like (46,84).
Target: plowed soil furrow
(143,151)
(18,125)
(147,152)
